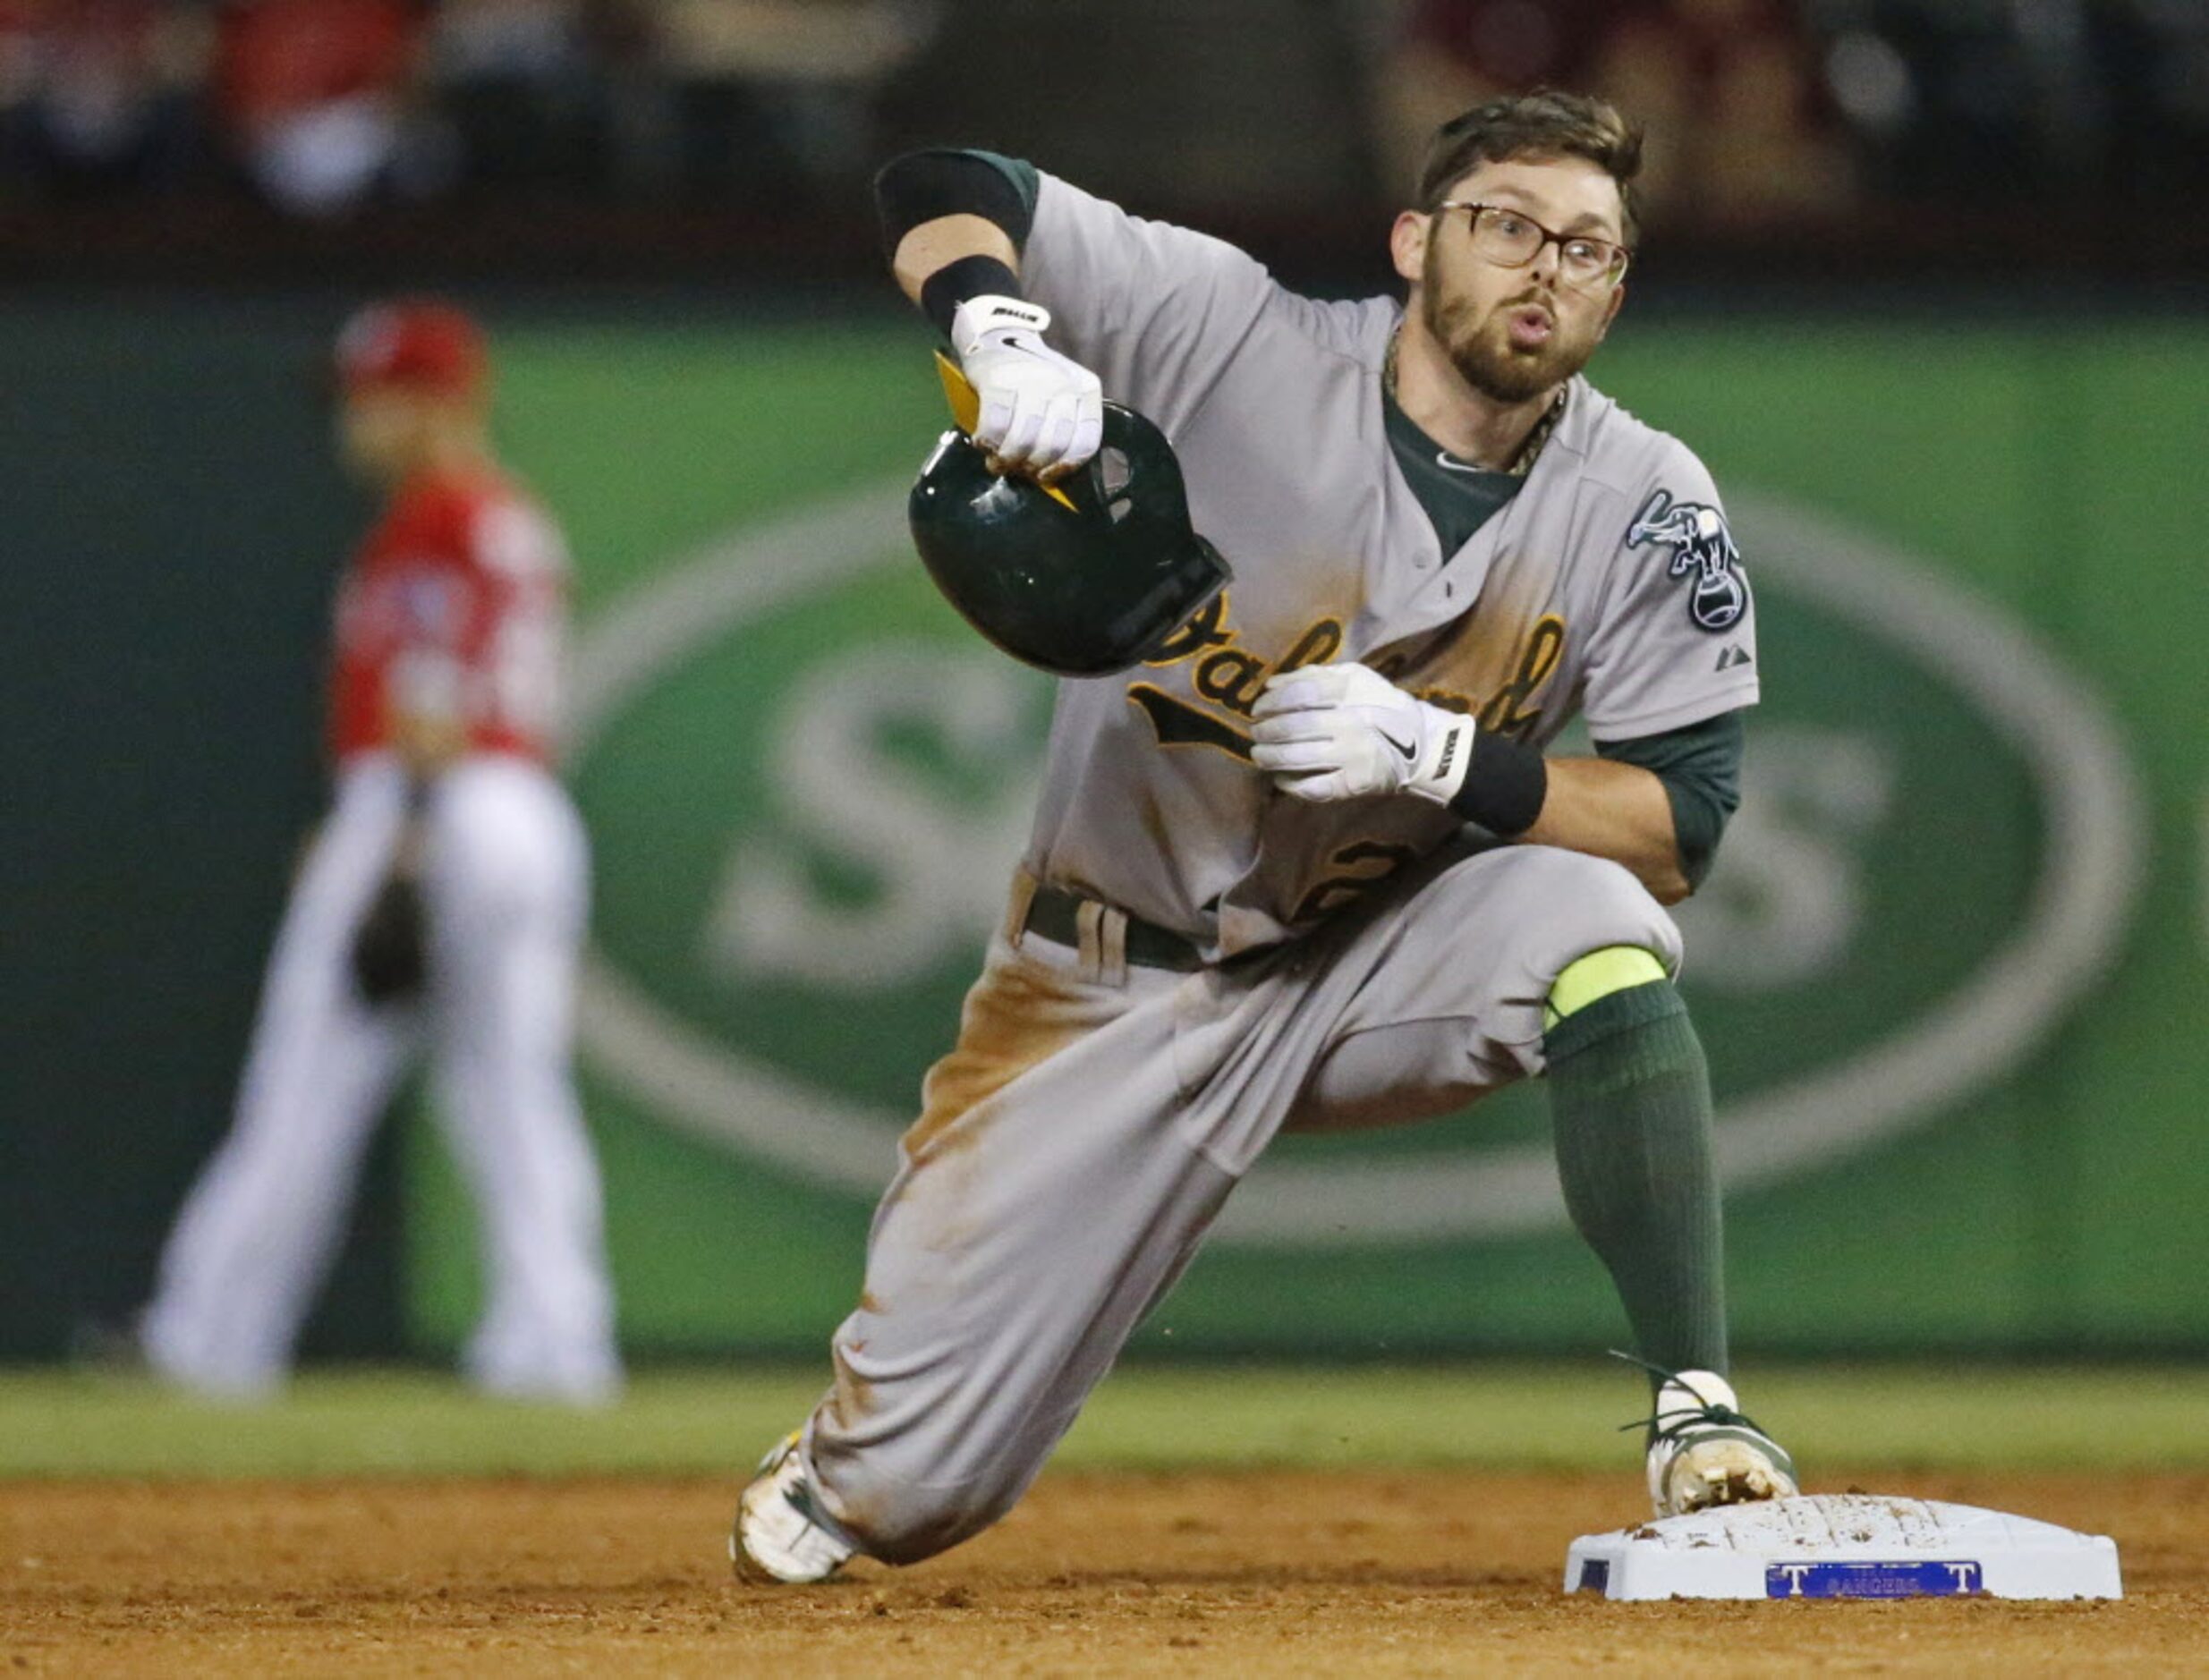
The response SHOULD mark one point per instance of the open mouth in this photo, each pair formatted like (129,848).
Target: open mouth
(1530,326)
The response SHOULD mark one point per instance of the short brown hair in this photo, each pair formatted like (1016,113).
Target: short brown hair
(1542,124)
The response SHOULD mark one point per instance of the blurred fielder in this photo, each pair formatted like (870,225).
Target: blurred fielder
(440,906)
(1307,864)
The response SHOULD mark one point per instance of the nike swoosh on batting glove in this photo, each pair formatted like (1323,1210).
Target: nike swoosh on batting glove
(1043,413)
(1332,731)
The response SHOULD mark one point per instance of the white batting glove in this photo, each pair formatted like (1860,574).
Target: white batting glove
(1041,413)
(1332,732)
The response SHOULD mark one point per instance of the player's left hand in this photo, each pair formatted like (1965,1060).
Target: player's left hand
(389,958)
(1332,731)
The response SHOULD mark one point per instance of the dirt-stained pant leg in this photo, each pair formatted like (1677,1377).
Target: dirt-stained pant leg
(1076,1145)
(1044,1202)
(1453,980)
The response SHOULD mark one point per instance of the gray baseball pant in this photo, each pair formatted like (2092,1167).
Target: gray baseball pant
(1077,1142)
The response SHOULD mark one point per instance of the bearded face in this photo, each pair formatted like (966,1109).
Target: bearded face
(1513,332)
(1511,342)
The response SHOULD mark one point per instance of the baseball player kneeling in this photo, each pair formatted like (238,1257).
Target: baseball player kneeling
(1308,865)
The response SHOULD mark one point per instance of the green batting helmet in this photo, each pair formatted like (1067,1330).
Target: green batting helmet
(1084,578)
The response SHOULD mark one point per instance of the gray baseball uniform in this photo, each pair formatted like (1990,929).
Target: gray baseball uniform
(1357,962)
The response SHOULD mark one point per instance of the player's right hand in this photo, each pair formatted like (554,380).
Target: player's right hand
(1042,414)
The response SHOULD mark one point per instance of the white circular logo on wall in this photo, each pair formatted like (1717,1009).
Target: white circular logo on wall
(1792,900)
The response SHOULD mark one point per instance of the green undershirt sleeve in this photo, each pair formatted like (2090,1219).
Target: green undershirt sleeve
(1700,766)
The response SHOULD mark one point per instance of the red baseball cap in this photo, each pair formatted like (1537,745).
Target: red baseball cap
(412,343)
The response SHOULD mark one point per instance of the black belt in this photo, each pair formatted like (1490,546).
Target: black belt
(1056,916)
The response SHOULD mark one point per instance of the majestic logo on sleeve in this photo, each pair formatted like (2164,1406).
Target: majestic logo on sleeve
(1700,546)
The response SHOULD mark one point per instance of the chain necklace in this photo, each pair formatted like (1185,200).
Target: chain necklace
(1529,452)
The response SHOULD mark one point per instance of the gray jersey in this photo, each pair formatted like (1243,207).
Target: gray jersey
(1609,586)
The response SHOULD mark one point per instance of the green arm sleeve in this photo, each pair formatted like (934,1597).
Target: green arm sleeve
(920,186)
(1019,171)
(1700,766)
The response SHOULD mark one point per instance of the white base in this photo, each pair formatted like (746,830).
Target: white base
(1845,1546)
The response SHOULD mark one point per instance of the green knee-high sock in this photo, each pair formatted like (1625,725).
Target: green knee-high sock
(1630,1100)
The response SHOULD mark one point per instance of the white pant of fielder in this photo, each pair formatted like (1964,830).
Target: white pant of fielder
(505,886)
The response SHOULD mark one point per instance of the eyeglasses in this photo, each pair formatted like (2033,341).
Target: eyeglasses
(1511,238)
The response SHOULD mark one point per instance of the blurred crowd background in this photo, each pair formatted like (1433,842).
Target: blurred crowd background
(685,135)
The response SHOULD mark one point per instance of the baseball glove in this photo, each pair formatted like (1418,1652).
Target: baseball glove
(389,960)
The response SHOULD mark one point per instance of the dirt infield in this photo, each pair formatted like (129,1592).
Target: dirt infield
(1402,1572)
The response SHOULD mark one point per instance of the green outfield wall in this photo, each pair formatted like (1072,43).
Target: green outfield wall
(1951,967)
(174,526)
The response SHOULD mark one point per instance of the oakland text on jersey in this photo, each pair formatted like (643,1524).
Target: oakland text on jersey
(1231,677)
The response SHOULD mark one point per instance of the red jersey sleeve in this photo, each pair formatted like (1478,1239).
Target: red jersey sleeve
(455,607)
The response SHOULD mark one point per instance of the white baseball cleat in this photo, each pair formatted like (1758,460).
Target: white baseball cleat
(781,1533)
(1702,1452)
